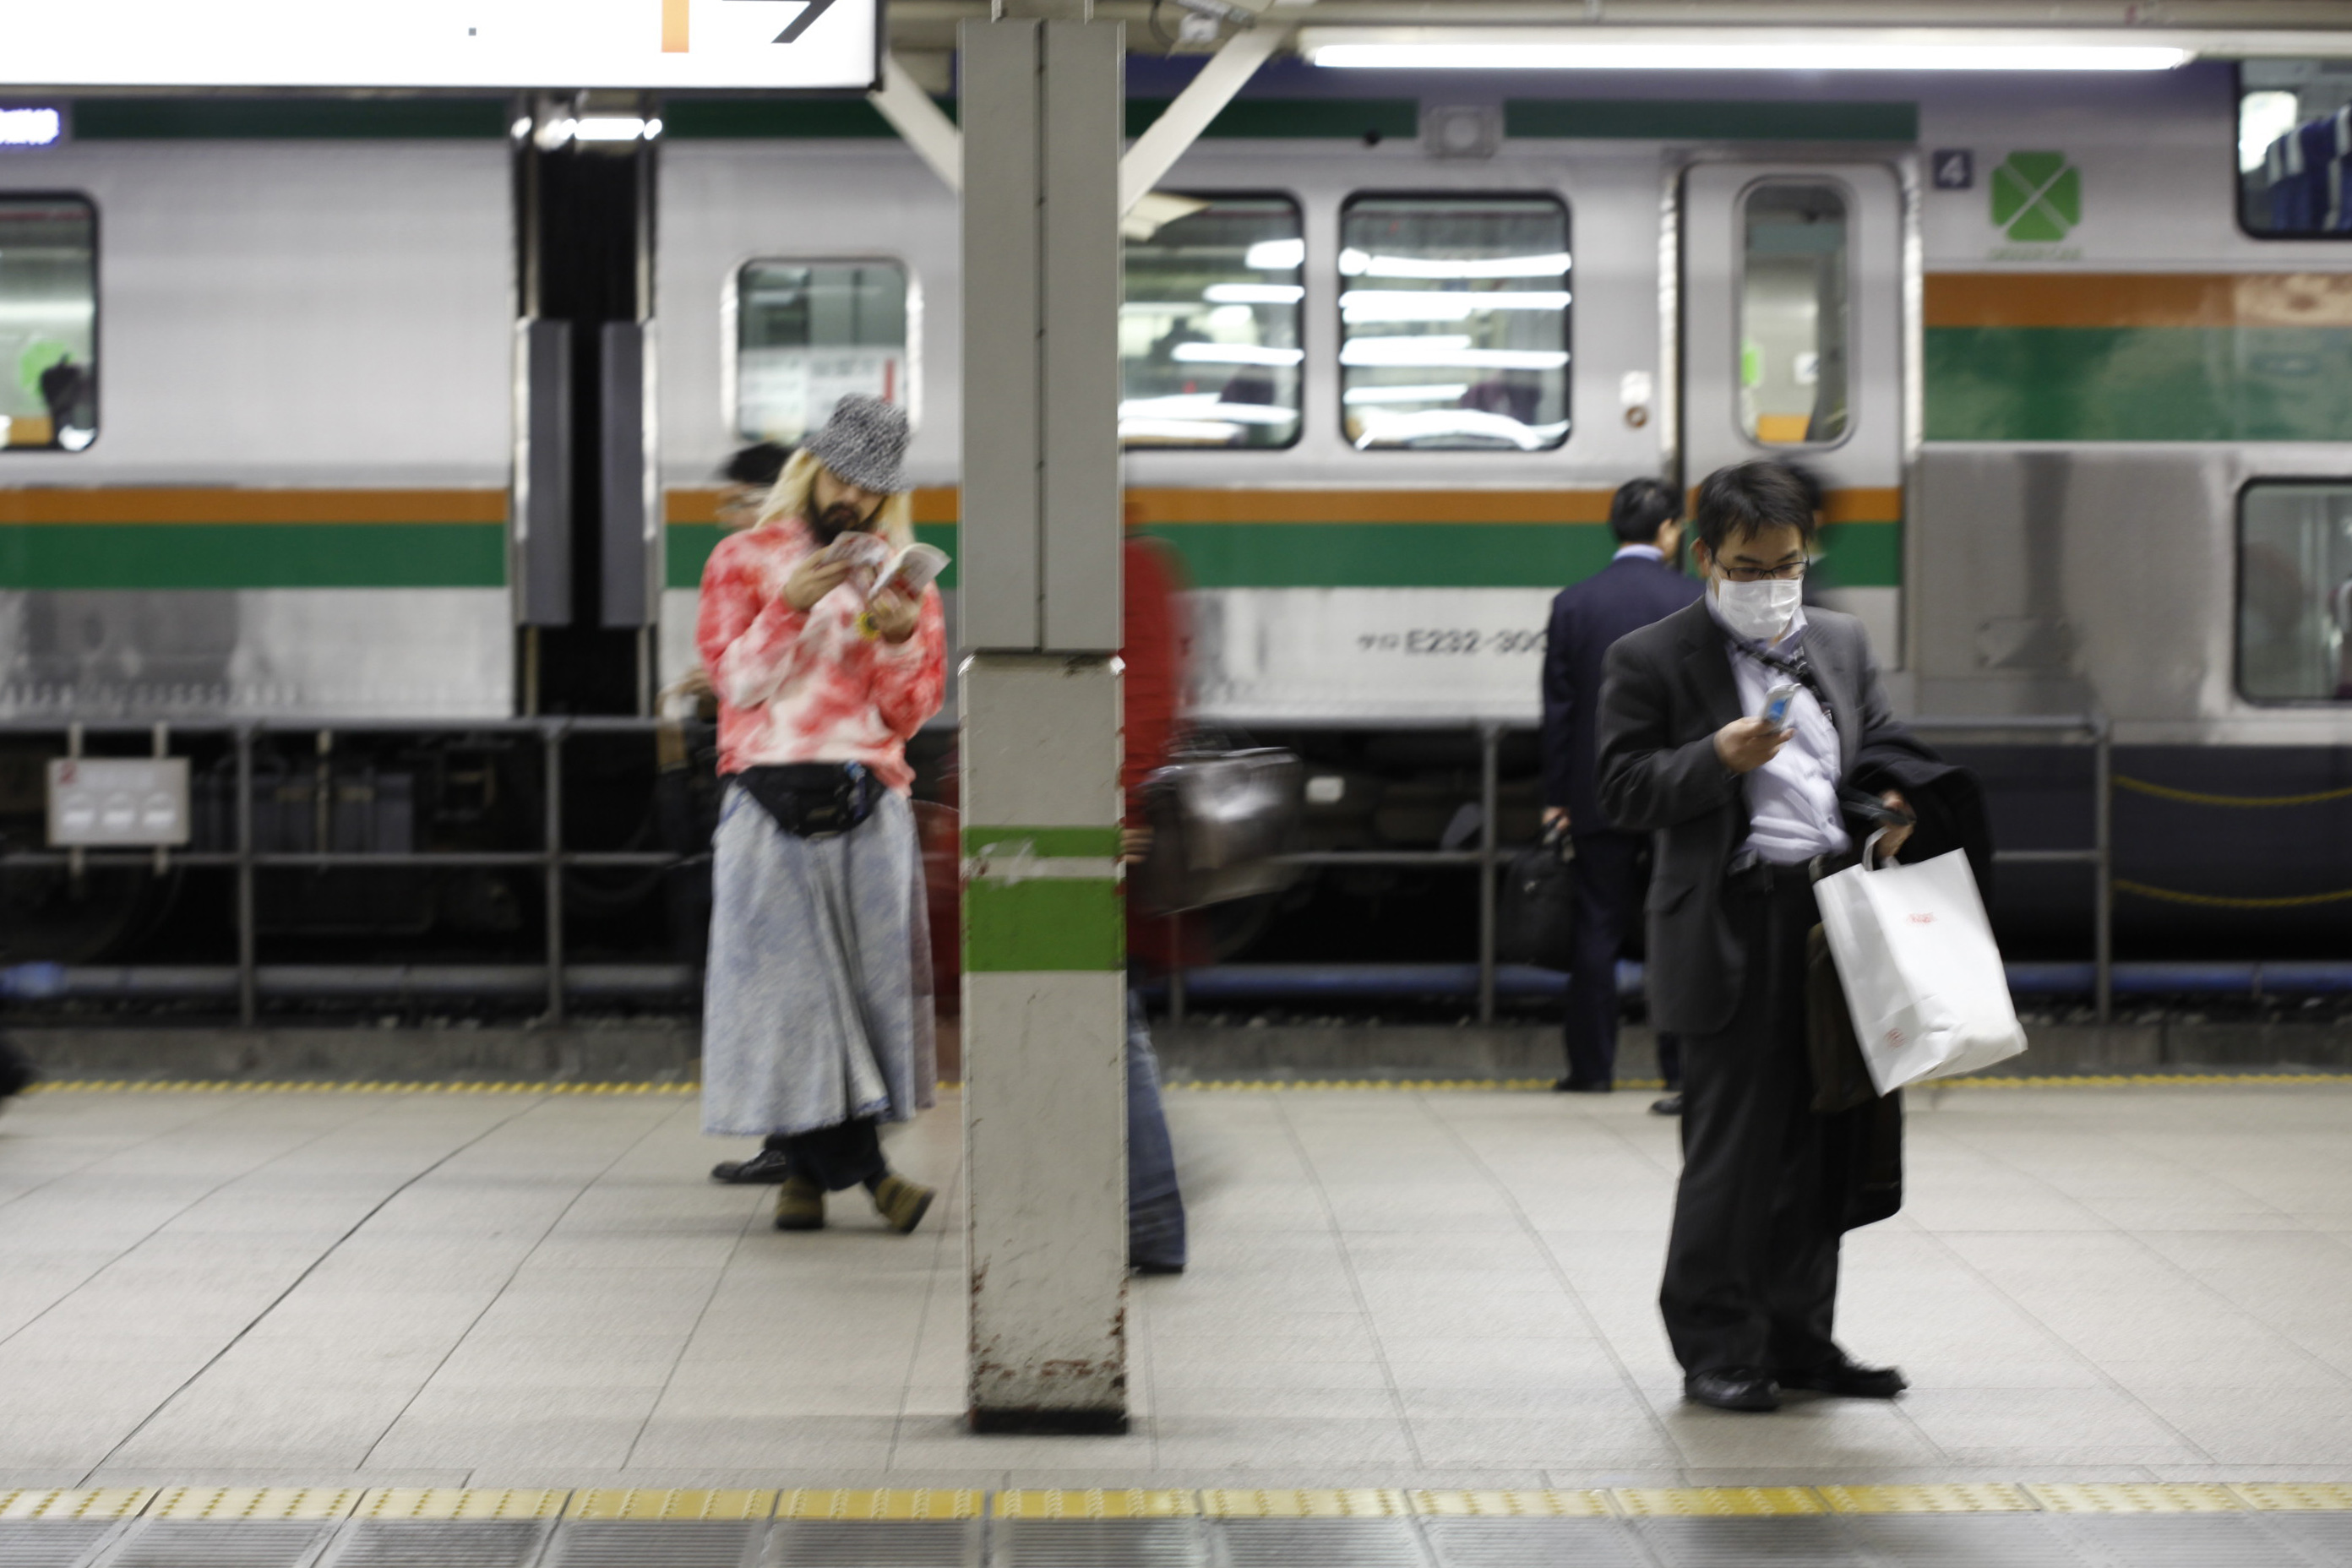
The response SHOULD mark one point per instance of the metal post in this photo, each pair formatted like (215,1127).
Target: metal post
(1044,978)
(554,851)
(1490,748)
(2102,838)
(247,1001)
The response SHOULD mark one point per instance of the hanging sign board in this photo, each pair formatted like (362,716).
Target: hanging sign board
(647,44)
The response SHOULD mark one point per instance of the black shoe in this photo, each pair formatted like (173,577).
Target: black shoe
(1582,1086)
(1148,1266)
(1672,1105)
(1732,1388)
(1847,1379)
(765,1168)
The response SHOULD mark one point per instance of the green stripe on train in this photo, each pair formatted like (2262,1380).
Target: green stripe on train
(1290,118)
(1393,554)
(253,556)
(2138,384)
(1711,119)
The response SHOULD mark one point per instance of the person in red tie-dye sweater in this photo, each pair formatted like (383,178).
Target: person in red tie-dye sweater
(817,1013)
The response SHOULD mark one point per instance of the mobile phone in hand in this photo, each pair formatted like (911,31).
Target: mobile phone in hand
(1776,705)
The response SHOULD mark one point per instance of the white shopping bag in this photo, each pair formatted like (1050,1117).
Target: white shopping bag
(1922,976)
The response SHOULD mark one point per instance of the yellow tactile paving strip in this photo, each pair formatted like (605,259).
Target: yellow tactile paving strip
(1509,1505)
(669,1504)
(2133,1497)
(464,1503)
(75,1502)
(248,1504)
(1262,1086)
(1964,1497)
(884,1505)
(1333,1502)
(1136,1503)
(2292,1496)
(458,1504)
(1746,1501)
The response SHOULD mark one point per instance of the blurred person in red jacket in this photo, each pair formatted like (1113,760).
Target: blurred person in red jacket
(1154,656)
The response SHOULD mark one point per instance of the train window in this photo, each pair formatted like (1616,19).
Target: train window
(2294,591)
(1208,335)
(810,333)
(2295,147)
(1792,314)
(48,323)
(1454,322)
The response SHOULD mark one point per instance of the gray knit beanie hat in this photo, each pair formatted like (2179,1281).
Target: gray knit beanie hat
(865,444)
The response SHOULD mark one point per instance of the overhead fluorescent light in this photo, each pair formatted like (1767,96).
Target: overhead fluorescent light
(1205,405)
(1444,304)
(1354,263)
(1234,353)
(1447,393)
(31,127)
(1782,56)
(1275,254)
(1605,46)
(1252,293)
(1440,352)
(1384,429)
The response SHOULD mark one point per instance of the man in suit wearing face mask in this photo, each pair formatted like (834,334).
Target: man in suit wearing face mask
(1747,813)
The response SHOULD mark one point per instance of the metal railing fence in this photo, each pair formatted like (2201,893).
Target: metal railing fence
(1490,855)
(555,980)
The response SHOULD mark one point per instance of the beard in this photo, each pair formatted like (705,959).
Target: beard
(836,520)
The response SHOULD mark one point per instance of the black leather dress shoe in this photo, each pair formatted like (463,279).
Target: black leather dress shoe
(1672,1105)
(1582,1086)
(765,1168)
(1733,1388)
(1847,1379)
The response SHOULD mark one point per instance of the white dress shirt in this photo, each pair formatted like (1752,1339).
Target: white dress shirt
(1793,801)
(1640,552)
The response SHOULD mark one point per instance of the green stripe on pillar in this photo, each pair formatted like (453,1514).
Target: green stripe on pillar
(1053,841)
(1045,923)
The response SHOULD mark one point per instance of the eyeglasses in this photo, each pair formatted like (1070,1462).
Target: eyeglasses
(1792,570)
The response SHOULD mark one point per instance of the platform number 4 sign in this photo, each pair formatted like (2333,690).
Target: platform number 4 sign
(2037,197)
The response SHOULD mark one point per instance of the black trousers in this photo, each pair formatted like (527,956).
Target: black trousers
(834,1157)
(1752,1264)
(1608,885)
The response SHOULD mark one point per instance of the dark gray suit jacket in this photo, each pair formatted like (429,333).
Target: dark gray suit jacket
(1667,689)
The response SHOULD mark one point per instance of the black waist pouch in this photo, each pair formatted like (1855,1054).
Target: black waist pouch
(813,800)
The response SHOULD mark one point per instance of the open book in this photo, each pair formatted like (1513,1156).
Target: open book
(876,567)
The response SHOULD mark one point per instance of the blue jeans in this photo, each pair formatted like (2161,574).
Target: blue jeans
(1155,1208)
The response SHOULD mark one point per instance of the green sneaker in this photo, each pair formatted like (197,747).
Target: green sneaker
(901,1202)
(800,1205)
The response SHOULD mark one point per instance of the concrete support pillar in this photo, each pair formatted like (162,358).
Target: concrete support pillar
(1042,104)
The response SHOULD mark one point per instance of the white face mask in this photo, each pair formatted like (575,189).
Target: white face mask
(1760,611)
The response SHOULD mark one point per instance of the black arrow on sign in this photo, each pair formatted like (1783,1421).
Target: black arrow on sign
(801,23)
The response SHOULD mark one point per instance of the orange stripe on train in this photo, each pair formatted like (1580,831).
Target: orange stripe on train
(2138,299)
(228,504)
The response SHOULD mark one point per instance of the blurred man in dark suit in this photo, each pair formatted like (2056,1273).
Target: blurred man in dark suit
(1643,583)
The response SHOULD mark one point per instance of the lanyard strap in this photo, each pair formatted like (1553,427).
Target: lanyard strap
(1797,667)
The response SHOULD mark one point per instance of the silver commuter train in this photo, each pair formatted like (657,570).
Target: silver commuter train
(2080,426)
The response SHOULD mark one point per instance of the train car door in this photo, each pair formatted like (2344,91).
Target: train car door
(1792,346)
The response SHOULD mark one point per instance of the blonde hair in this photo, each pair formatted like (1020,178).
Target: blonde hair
(789,497)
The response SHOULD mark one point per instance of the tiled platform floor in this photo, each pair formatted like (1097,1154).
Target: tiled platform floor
(1445,1290)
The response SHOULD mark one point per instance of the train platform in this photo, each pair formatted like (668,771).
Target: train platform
(1436,1293)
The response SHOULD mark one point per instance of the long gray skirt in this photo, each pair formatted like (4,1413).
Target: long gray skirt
(817,1003)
